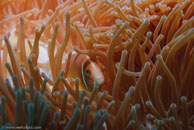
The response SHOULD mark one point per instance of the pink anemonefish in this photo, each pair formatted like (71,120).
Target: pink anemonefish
(88,71)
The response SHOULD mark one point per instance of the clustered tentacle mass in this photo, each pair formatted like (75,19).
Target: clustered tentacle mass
(146,49)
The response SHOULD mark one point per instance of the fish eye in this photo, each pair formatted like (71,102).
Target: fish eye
(87,72)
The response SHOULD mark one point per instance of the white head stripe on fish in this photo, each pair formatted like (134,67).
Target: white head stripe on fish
(83,77)
(91,62)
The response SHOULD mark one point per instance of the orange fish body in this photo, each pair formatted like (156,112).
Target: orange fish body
(88,71)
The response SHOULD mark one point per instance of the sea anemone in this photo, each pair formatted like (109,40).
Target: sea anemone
(145,48)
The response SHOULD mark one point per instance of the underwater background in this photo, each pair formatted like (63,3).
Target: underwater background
(97,64)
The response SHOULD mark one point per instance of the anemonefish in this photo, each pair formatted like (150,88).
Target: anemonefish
(88,71)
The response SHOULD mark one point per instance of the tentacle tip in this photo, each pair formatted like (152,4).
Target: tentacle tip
(68,13)
(84,92)
(172,118)
(158,56)
(149,34)
(173,105)
(127,23)
(133,108)
(6,63)
(21,18)
(149,103)
(5,37)
(75,48)
(132,88)
(65,92)
(156,121)
(57,24)
(29,60)
(77,80)
(3,99)
(183,98)
(90,27)
(159,77)
(147,64)
(36,30)
(43,26)
(161,122)
(124,52)
(105,92)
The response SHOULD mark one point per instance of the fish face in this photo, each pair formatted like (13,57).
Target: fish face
(87,70)
(91,73)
